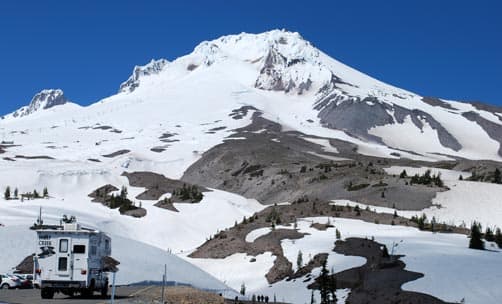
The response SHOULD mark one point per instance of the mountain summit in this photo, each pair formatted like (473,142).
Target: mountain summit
(43,100)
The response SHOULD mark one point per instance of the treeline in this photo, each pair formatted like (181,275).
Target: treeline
(495,177)
(188,193)
(10,195)
(427,178)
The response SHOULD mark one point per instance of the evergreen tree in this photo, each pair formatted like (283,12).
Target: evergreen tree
(460,177)
(324,284)
(403,174)
(16,193)
(498,237)
(299,260)
(123,193)
(357,210)
(243,289)
(489,236)
(35,194)
(395,213)
(332,289)
(46,192)
(497,176)
(476,242)
(7,193)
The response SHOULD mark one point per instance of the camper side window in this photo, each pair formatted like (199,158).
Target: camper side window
(78,248)
(93,250)
(63,245)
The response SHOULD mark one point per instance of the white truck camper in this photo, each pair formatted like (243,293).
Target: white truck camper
(72,259)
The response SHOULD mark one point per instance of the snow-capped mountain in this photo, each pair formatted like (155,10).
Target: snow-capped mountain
(340,97)
(274,88)
(43,100)
(287,78)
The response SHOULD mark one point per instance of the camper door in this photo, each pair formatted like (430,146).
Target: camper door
(64,263)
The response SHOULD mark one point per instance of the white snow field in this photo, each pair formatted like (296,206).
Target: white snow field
(452,271)
(465,202)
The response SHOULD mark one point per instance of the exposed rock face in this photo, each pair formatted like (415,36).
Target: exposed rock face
(277,74)
(355,116)
(44,100)
(154,67)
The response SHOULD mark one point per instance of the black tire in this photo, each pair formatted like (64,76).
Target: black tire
(47,293)
(104,289)
(5,286)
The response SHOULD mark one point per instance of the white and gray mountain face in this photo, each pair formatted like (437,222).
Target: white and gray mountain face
(43,100)
(154,67)
(298,86)
(345,99)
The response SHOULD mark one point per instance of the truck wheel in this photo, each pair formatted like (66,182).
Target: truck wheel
(104,289)
(47,293)
(5,286)
(86,293)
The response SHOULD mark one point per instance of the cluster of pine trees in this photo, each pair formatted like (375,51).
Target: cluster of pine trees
(188,193)
(476,237)
(8,195)
(121,201)
(433,225)
(425,179)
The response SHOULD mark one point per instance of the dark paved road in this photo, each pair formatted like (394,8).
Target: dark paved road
(124,294)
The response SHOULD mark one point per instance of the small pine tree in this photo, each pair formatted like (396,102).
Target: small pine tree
(324,284)
(357,210)
(395,213)
(498,237)
(403,174)
(7,193)
(243,289)
(123,192)
(383,194)
(35,194)
(497,176)
(489,236)
(476,242)
(46,192)
(460,177)
(299,260)
(16,193)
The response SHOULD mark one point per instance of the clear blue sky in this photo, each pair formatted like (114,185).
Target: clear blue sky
(450,49)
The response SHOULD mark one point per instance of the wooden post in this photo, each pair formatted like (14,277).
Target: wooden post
(164,283)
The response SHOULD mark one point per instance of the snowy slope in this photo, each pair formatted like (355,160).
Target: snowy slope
(452,271)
